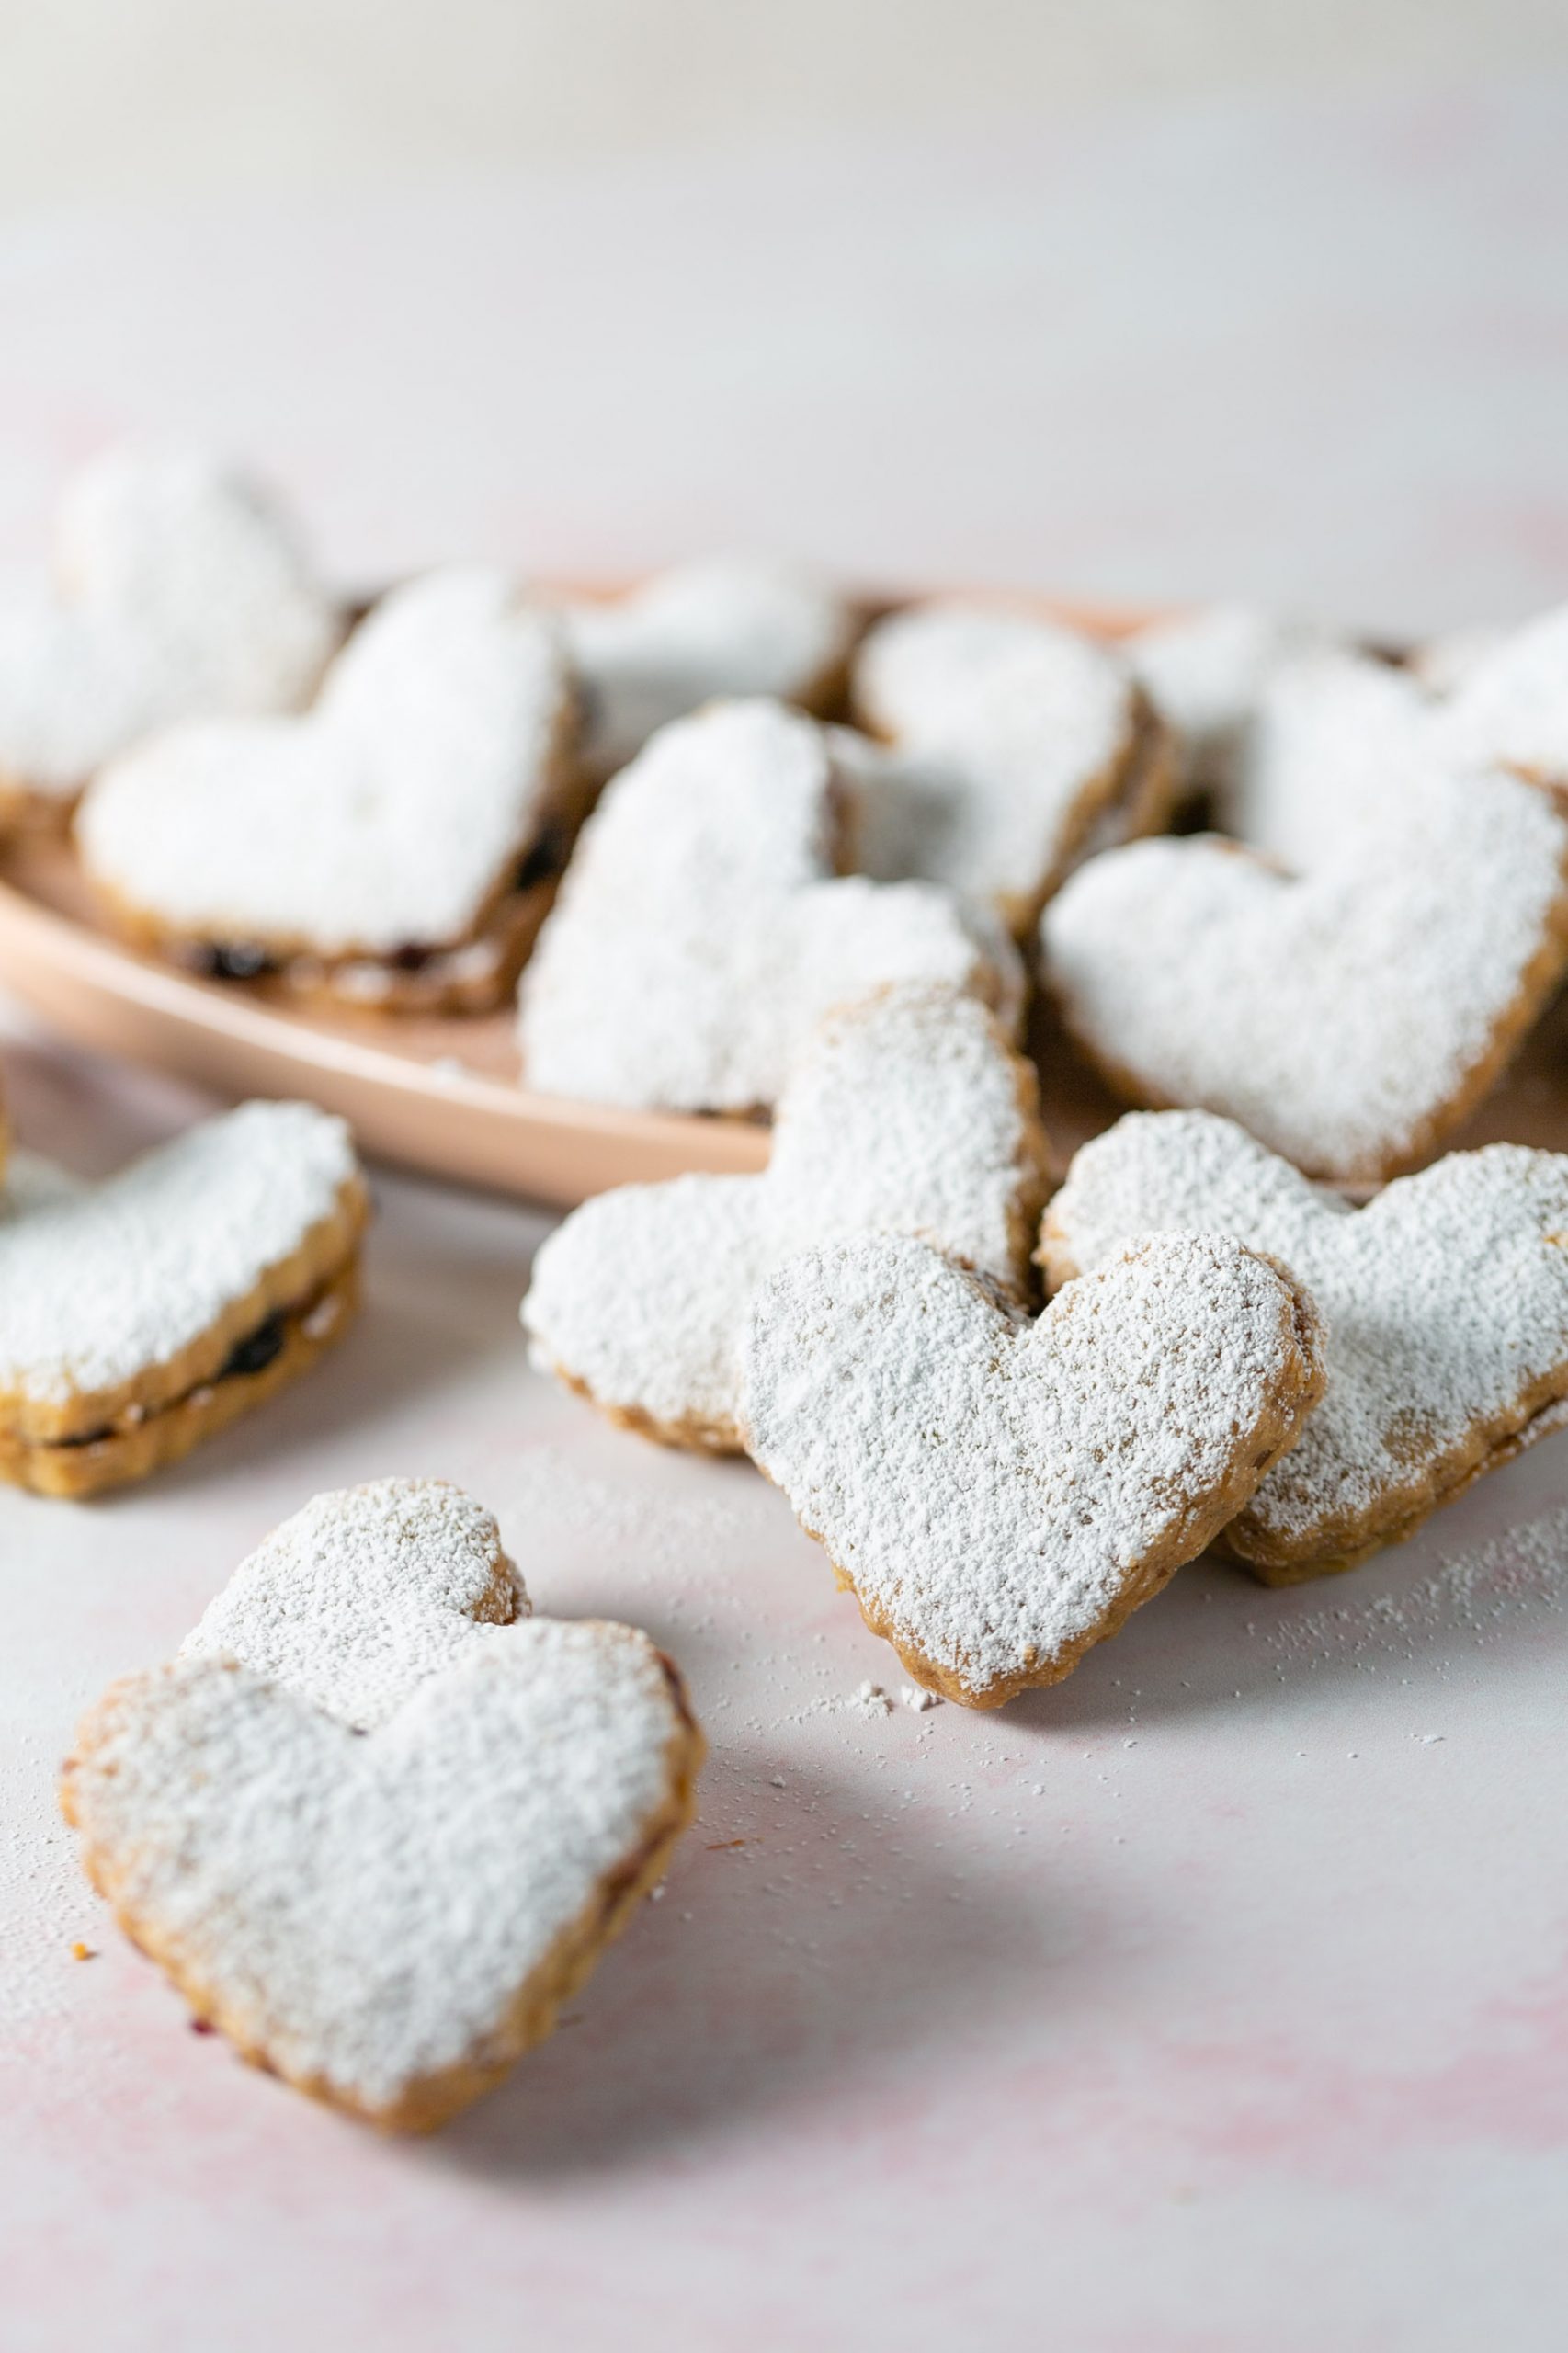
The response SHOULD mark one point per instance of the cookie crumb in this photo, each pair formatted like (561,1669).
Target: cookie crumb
(79,1952)
(870,1698)
(916,1700)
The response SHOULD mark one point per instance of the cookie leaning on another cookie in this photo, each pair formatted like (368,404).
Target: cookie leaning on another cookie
(1012,738)
(141,1315)
(908,1112)
(377,1823)
(1349,1017)
(700,933)
(1445,1304)
(998,1495)
(180,592)
(395,848)
(721,628)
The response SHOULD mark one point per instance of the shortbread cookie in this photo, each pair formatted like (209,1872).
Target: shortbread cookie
(1207,672)
(1511,707)
(396,827)
(908,1112)
(142,1315)
(1337,760)
(1446,663)
(377,1824)
(1013,735)
(699,935)
(1000,1495)
(181,592)
(1350,1017)
(718,629)
(1445,1304)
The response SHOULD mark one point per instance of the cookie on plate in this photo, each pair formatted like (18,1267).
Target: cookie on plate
(180,592)
(395,848)
(1349,1016)
(1000,1495)
(141,1315)
(718,629)
(376,1822)
(1010,740)
(1445,1306)
(701,930)
(908,1112)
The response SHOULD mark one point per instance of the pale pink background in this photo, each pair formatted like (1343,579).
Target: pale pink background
(1218,2000)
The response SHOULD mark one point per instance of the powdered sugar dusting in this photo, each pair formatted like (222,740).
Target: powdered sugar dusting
(181,591)
(906,1112)
(1338,1016)
(1511,704)
(697,939)
(389,817)
(723,626)
(998,1492)
(1011,734)
(1445,1305)
(103,1283)
(1207,672)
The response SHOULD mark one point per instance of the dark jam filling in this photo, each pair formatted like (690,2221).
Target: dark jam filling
(544,861)
(251,1355)
(235,961)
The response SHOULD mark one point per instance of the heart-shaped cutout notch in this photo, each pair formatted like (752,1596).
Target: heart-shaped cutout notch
(999,1495)
(396,847)
(386,1917)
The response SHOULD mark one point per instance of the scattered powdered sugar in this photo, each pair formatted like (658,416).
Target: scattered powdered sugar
(1011,734)
(1340,1017)
(908,1111)
(181,592)
(387,816)
(102,1283)
(917,1702)
(1000,1494)
(358,1597)
(369,1911)
(1445,1307)
(697,938)
(721,627)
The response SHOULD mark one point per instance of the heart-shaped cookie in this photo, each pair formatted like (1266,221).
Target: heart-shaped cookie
(722,627)
(1011,737)
(699,937)
(142,1315)
(392,830)
(908,1112)
(1349,1017)
(1445,1307)
(380,1864)
(1207,672)
(1000,1495)
(1509,705)
(181,592)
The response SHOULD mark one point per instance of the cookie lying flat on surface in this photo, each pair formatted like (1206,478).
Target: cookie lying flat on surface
(1445,1307)
(1338,751)
(376,1823)
(699,936)
(1207,672)
(1349,1019)
(1509,706)
(1011,737)
(143,1314)
(180,592)
(998,1495)
(384,849)
(908,1112)
(721,628)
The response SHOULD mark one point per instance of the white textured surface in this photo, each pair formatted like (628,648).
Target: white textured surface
(99,1286)
(697,940)
(1445,1301)
(717,628)
(386,817)
(1332,1014)
(901,1115)
(1011,736)
(180,590)
(373,1907)
(993,1488)
(361,1594)
(1206,671)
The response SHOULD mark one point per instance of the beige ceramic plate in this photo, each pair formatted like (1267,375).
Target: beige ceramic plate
(443,1095)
